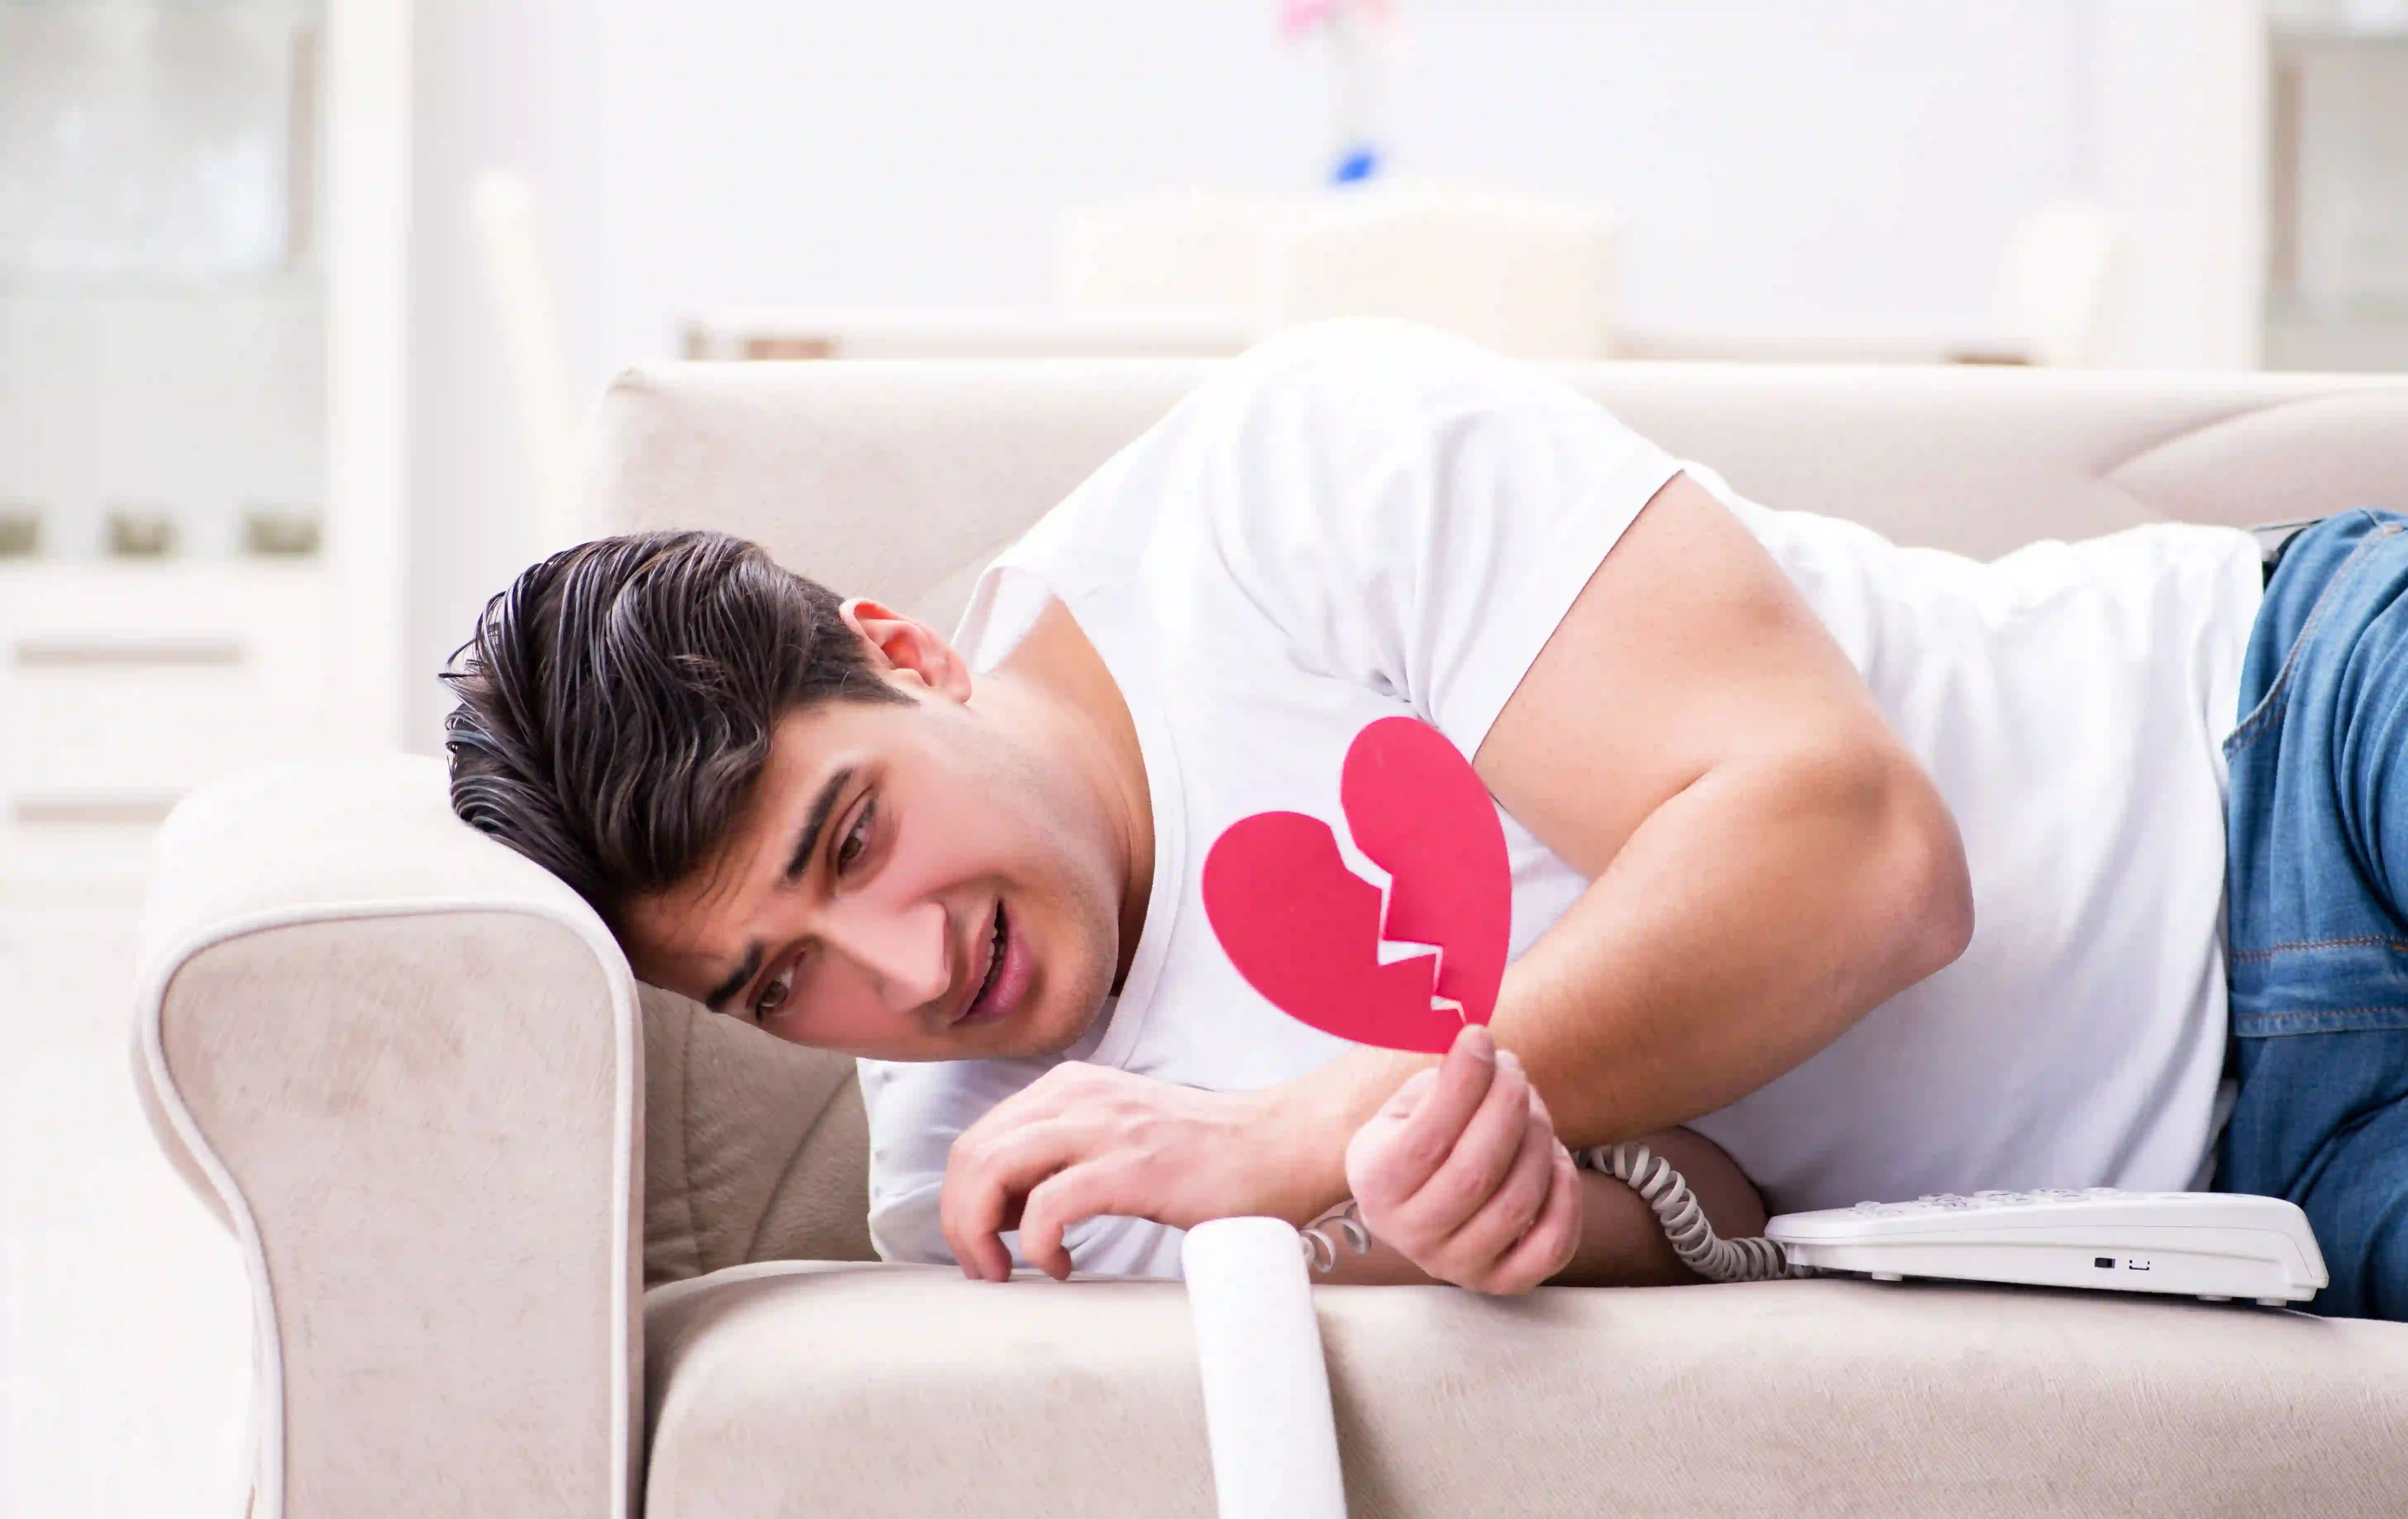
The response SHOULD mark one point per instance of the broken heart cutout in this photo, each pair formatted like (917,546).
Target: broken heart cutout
(1318,940)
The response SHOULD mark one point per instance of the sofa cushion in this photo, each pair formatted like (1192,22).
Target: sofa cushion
(755,1148)
(868,1390)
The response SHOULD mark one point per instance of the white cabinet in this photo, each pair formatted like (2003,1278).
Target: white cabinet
(123,688)
(202,354)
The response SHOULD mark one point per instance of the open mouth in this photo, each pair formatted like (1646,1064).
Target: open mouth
(984,1003)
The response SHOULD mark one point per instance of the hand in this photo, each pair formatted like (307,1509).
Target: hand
(1085,1139)
(1461,1173)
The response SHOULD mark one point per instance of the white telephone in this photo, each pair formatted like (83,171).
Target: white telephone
(1267,1388)
(2216,1246)
(2212,1245)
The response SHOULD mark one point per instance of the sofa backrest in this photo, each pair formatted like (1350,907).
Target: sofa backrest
(901,479)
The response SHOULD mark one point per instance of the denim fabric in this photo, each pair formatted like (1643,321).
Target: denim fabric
(2318,940)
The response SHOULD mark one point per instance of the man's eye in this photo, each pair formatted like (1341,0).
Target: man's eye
(858,839)
(773,995)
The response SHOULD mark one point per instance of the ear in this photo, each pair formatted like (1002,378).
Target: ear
(912,648)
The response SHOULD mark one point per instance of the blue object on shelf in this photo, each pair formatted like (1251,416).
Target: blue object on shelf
(1359,164)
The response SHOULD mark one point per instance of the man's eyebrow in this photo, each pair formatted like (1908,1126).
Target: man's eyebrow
(814,823)
(734,982)
(822,805)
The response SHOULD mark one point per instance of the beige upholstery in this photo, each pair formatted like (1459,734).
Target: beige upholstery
(412,1054)
(405,1060)
(924,1393)
(899,481)
(753,1148)
(408,1065)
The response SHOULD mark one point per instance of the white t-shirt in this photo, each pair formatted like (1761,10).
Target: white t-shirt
(1364,519)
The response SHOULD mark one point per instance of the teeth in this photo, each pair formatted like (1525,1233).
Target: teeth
(993,959)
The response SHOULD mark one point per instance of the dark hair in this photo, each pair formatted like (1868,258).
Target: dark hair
(617,703)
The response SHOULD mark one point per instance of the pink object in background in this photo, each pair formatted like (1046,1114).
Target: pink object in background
(1297,17)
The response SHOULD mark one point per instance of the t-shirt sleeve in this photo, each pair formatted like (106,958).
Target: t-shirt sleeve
(1395,507)
(916,1111)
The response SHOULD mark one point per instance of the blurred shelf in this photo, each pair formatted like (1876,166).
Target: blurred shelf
(184,584)
(2338,348)
(2362,310)
(791,332)
(2362,335)
(2381,34)
(771,332)
(19,286)
(2337,20)
(1869,347)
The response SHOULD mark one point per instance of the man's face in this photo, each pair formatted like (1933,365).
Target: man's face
(909,881)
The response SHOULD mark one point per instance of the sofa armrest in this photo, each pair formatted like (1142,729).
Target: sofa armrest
(404,1063)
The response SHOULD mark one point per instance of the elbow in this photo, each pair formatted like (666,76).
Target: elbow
(1931,900)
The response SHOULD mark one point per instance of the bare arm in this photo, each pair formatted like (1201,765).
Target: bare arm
(1767,862)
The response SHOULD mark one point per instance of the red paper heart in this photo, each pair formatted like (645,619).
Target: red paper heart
(1305,931)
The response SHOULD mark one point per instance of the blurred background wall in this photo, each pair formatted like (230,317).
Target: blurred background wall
(1780,168)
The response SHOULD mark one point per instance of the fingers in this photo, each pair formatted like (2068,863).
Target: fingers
(1482,1152)
(1411,1095)
(994,1163)
(1554,1236)
(1432,1123)
(984,1188)
(1473,1250)
(1068,1196)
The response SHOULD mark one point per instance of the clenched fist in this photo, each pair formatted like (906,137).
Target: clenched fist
(1461,1173)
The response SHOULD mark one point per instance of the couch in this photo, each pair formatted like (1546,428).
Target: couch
(528,1239)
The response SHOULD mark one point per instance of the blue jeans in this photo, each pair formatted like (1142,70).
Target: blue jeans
(2317,871)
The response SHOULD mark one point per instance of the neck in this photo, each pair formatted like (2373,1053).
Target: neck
(1060,683)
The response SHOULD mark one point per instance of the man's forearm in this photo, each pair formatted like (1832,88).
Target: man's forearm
(1744,925)
(1747,923)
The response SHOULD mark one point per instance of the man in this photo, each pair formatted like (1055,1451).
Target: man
(1761,774)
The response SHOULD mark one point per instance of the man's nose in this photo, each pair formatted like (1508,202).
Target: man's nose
(904,950)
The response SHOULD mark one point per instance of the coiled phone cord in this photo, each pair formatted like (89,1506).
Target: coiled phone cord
(1643,1172)
(1693,1237)
(1320,1252)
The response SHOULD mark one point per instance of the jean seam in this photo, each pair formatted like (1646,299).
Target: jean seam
(2243,1022)
(2356,941)
(2277,695)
